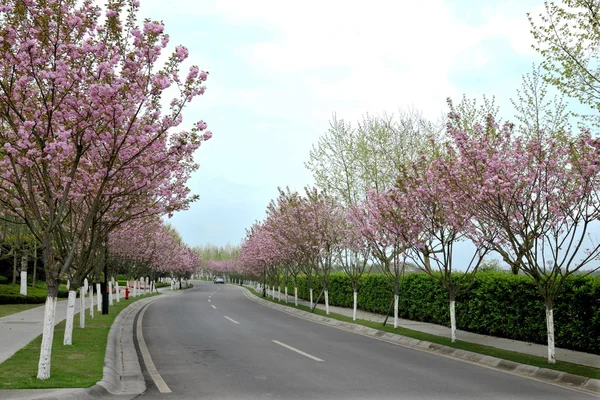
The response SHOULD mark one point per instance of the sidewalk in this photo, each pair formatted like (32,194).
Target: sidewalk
(17,330)
(540,350)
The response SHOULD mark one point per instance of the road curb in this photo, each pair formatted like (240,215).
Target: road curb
(589,385)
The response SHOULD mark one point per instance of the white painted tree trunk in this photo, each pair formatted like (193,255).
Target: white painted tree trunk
(99,298)
(68,338)
(23,289)
(311,298)
(279,293)
(92,301)
(47,337)
(355,295)
(286,294)
(550,328)
(326,302)
(453,320)
(117,292)
(110,294)
(395,311)
(81,307)
(296,296)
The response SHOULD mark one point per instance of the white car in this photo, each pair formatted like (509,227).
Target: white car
(219,279)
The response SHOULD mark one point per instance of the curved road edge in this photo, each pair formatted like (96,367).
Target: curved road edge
(562,379)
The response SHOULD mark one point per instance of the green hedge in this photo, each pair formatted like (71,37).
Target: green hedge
(497,304)
(9,294)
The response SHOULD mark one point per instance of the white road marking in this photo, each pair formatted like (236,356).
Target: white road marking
(158,380)
(213,306)
(232,320)
(296,350)
(209,301)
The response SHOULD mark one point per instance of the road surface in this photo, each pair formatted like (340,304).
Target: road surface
(212,342)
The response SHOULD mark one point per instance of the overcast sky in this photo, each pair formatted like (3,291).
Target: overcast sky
(280,69)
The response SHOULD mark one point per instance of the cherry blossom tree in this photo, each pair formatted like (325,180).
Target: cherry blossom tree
(80,102)
(389,230)
(439,221)
(353,254)
(534,199)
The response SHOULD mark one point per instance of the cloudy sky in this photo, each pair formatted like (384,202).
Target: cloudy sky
(280,69)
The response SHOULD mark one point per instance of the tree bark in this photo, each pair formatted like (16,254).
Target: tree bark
(355,295)
(395,311)
(33,278)
(81,307)
(68,337)
(550,329)
(24,274)
(14,281)
(453,319)
(47,337)
(92,300)
(326,302)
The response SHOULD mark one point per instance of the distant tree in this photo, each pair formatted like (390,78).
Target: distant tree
(568,38)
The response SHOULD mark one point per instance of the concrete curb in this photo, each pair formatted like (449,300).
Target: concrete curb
(588,385)
(122,375)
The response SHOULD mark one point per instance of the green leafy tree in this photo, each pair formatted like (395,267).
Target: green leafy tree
(568,38)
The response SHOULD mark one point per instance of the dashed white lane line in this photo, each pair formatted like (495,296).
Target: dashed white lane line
(209,301)
(232,320)
(296,350)
(161,385)
(213,306)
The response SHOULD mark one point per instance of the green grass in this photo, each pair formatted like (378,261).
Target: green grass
(76,366)
(38,290)
(576,369)
(8,309)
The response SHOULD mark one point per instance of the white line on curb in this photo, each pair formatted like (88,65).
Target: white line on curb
(213,306)
(232,320)
(158,380)
(296,350)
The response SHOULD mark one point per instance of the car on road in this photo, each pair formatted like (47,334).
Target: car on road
(219,279)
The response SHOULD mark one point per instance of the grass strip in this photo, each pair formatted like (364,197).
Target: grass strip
(8,309)
(76,366)
(576,369)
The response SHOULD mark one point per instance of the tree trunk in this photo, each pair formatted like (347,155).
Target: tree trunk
(82,307)
(550,329)
(355,295)
(68,338)
(47,336)
(23,290)
(286,294)
(311,298)
(99,297)
(453,319)
(34,266)
(296,295)
(92,300)
(14,281)
(395,311)
(326,302)
(279,293)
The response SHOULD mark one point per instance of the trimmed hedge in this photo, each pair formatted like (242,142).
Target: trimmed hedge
(497,304)
(9,294)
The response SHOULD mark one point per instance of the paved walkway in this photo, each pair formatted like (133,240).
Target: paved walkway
(17,330)
(540,350)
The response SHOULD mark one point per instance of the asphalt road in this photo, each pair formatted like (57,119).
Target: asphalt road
(233,348)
